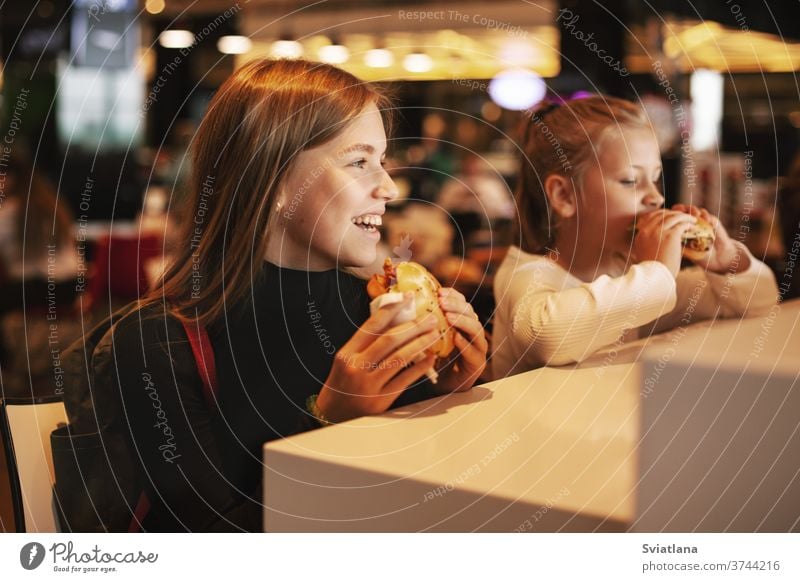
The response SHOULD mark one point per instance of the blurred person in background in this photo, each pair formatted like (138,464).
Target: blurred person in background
(475,198)
(39,266)
(789,211)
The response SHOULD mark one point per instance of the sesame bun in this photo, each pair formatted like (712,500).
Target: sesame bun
(410,276)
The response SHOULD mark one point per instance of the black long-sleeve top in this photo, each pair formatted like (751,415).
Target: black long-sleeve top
(203,468)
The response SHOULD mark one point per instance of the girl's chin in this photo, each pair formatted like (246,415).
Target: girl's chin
(364,256)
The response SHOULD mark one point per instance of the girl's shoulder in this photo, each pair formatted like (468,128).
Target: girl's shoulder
(150,328)
(518,261)
(525,273)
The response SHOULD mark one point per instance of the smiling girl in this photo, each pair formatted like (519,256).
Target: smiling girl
(597,260)
(289,188)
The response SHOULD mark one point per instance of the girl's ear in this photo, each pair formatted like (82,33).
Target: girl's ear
(278,208)
(561,195)
(280,201)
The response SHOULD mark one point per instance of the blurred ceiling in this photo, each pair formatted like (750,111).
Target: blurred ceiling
(689,45)
(464,39)
(479,38)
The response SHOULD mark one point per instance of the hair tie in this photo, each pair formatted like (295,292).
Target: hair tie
(542,111)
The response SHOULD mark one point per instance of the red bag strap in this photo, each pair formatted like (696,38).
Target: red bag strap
(204,358)
(139,513)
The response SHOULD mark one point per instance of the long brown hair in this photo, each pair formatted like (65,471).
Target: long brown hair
(260,119)
(561,139)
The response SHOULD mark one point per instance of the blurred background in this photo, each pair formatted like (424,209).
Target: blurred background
(101,99)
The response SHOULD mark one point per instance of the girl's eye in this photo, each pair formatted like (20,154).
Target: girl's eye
(359,163)
(628,182)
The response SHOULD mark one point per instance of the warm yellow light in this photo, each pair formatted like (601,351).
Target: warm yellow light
(176,39)
(417,63)
(379,58)
(234,44)
(334,54)
(286,49)
(154,6)
(491,112)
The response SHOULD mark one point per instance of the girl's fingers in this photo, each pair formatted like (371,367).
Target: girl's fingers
(678,230)
(375,326)
(687,208)
(468,324)
(712,220)
(408,376)
(667,221)
(451,298)
(395,337)
(455,305)
(472,355)
(681,219)
(407,354)
(652,219)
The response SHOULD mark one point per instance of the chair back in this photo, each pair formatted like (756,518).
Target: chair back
(26,426)
(120,266)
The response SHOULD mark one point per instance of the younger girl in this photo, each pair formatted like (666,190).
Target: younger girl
(288,186)
(597,258)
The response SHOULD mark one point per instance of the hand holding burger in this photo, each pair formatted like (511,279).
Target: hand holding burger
(457,324)
(708,244)
(388,289)
(659,235)
(698,240)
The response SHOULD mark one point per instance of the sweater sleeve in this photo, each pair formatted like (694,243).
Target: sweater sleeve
(171,433)
(702,294)
(563,326)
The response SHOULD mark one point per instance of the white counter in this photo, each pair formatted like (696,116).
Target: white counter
(565,449)
(720,444)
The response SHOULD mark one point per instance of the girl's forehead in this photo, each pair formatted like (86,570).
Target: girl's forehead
(364,134)
(625,135)
(630,143)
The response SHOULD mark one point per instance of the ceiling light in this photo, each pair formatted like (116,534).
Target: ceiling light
(154,6)
(417,63)
(234,44)
(334,54)
(517,89)
(286,49)
(491,112)
(379,58)
(707,89)
(176,39)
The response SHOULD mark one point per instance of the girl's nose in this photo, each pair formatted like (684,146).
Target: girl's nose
(653,198)
(387,188)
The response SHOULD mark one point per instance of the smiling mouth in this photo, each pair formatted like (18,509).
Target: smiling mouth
(368,222)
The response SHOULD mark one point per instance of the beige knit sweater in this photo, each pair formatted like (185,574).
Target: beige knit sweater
(546,316)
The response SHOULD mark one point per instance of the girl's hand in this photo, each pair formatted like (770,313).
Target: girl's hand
(369,372)
(658,237)
(725,256)
(470,341)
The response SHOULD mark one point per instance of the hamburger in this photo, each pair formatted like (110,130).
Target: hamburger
(389,288)
(698,240)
